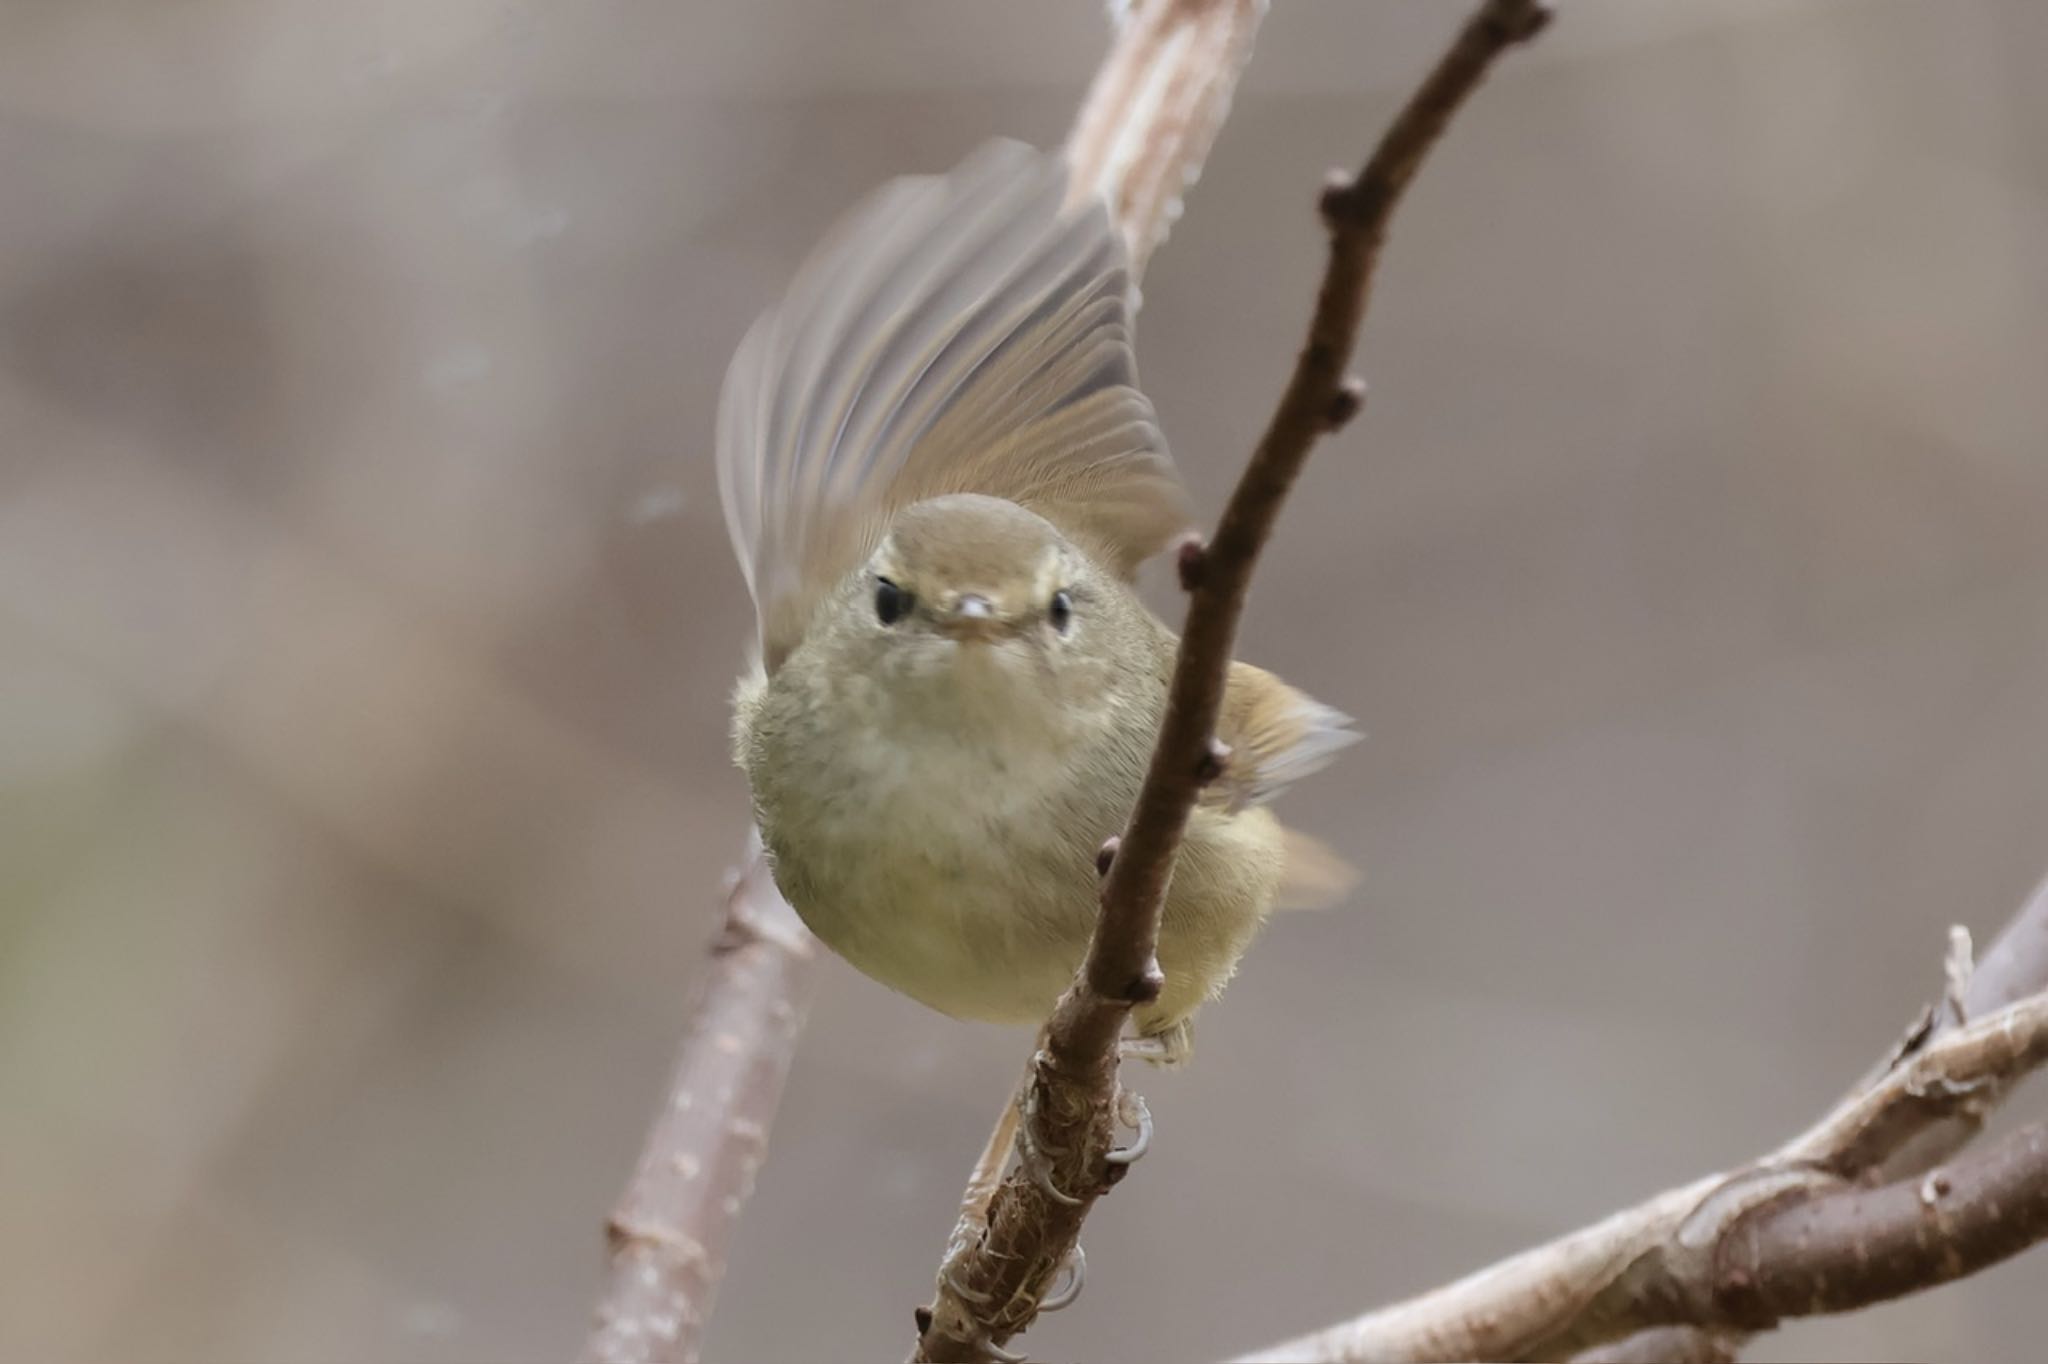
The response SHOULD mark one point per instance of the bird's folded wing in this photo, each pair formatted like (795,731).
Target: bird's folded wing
(962,333)
(1277,736)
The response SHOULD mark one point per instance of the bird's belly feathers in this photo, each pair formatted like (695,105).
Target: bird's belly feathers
(961,875)
(955,862)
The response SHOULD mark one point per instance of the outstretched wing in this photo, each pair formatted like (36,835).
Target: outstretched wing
(962,333)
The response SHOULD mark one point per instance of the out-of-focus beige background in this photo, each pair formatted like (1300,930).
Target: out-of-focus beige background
(366,621)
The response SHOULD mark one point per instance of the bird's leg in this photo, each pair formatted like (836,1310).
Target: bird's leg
(1167,1048)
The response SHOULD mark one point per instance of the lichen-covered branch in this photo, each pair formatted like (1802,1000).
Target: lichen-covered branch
(669,1233)
(991,1289)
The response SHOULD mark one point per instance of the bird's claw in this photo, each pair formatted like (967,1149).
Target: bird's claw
(1075,1270)
(961,1291)
(1037,1158)
(1132,1113)
(998,1353)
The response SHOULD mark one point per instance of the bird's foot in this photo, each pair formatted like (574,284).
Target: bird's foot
(1034,1156)
(1168,1049)
(1066,1288)
(1132,1113)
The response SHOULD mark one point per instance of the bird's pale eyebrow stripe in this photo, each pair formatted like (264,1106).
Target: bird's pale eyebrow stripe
(1051,569)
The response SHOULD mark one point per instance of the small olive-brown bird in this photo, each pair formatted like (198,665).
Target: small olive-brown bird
(940,477)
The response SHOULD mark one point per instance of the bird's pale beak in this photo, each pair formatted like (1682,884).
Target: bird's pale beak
(973,617)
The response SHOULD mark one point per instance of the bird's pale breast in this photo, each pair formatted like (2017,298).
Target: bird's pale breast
(958,871)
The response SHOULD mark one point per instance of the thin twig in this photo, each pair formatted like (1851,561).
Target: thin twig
(991,1291)
(669,1233)
(1138,143)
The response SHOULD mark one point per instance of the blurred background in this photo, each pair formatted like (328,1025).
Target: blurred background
(366,623)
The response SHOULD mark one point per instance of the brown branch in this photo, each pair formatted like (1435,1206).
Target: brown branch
(1651,1269)
(1811,1246)
(669,1234)
(1838,1251)
(990,1290)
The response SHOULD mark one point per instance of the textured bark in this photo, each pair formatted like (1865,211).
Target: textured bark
(1838,1251)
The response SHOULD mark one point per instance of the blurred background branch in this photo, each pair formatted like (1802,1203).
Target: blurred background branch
(1155,108)
(671,1231)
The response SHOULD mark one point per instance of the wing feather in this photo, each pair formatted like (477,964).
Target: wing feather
(1277,735)
(965,333)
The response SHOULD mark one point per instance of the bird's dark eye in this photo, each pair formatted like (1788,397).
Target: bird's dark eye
(1061,611)
(892,603)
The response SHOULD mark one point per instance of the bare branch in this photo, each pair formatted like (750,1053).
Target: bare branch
(1838,1251)
(2015,967)
(669,1233)
(1491,1314)
(1957,1072)
(991,1290)
(1656,1265)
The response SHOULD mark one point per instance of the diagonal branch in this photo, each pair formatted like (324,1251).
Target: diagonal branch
(1705,1270)
(1689,1273)
(991,1289)
(1852,1247)
(2015,967)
